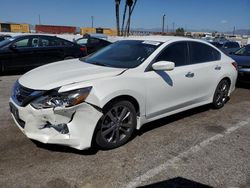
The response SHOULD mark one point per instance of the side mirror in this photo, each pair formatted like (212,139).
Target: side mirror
(13,47)
(163,65)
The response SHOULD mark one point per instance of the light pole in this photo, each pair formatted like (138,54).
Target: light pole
(163,22)
(39,19)
(92,21)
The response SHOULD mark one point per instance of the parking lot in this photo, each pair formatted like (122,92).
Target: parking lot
(201,147)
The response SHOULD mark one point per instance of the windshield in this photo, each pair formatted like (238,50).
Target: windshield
(123,54)
(243,51)
(6,41)
(82,41)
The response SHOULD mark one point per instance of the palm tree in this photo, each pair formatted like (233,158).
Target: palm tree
(117,13)
(124,17)
(131,5)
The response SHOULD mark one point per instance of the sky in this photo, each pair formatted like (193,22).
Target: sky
(219,15)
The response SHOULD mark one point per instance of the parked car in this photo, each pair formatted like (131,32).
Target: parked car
(22,53)
(93,42)
(229,47)
(3,37)
(242,58)
(216,44)
(102,98)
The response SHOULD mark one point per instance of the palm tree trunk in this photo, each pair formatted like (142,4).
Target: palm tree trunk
(123,19)
(117,13)
(129,18)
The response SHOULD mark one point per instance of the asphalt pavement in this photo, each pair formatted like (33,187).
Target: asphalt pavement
(201,147)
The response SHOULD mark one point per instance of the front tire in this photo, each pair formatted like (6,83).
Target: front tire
(221,94)
(116,126)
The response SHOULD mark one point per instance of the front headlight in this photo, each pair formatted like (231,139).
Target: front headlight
(66,99)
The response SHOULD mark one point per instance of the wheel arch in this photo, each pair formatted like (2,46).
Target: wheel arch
(125,98)
(228,79)
(223,78)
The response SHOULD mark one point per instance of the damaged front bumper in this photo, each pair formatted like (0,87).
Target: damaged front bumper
(72,126)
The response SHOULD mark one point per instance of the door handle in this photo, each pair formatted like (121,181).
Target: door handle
(217,67)
(189,75)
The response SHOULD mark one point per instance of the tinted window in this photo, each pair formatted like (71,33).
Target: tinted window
(200,52)
(44,42)
(49,41)
(216,44)
(243,51)
(64,42)
(176,53)
(94,41)
(231,45)
(27,42)
(22,43)
(82,41)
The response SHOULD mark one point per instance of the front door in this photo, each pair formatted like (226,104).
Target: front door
(23,54)
(170,90)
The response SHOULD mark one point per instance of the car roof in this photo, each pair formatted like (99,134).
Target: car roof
(162,39)
(96,35)
(20,36)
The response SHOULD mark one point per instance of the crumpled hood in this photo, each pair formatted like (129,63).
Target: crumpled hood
(241,60)
(65,72)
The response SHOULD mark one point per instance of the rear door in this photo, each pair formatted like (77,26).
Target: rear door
(206,65)
(50,50)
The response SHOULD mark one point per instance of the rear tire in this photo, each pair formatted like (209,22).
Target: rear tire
(221,94)
(116,126)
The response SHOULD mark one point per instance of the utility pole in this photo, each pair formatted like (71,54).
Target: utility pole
(173,26)
(92,21)
(39,19)
(234,31)
(163,23)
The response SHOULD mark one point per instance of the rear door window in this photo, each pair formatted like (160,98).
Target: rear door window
(232,45)
(177,53)
(201,53)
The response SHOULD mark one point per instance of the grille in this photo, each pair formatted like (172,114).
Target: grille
(22,95)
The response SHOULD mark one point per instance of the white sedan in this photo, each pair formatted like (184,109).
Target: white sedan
(101,99)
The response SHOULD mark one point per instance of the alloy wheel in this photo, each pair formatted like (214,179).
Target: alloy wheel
(117,124)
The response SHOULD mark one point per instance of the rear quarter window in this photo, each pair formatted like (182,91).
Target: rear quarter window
(201,53)
(232,45)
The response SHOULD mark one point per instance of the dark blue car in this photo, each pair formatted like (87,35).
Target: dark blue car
(242,58)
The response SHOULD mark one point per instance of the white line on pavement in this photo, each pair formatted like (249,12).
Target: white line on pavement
(171,162)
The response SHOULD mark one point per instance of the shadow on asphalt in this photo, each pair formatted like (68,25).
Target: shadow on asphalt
(243,85)
(12,73)
(65,149)
(177,182)
(169,119)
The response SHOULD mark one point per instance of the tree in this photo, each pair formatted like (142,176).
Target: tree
(117,13)
(180,31)
(124,17)
(131,4)
(128,4)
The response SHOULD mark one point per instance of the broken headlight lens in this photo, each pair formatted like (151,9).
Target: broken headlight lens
(66,99)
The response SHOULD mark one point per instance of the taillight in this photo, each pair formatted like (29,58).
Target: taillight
(235,65)
(83,49)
